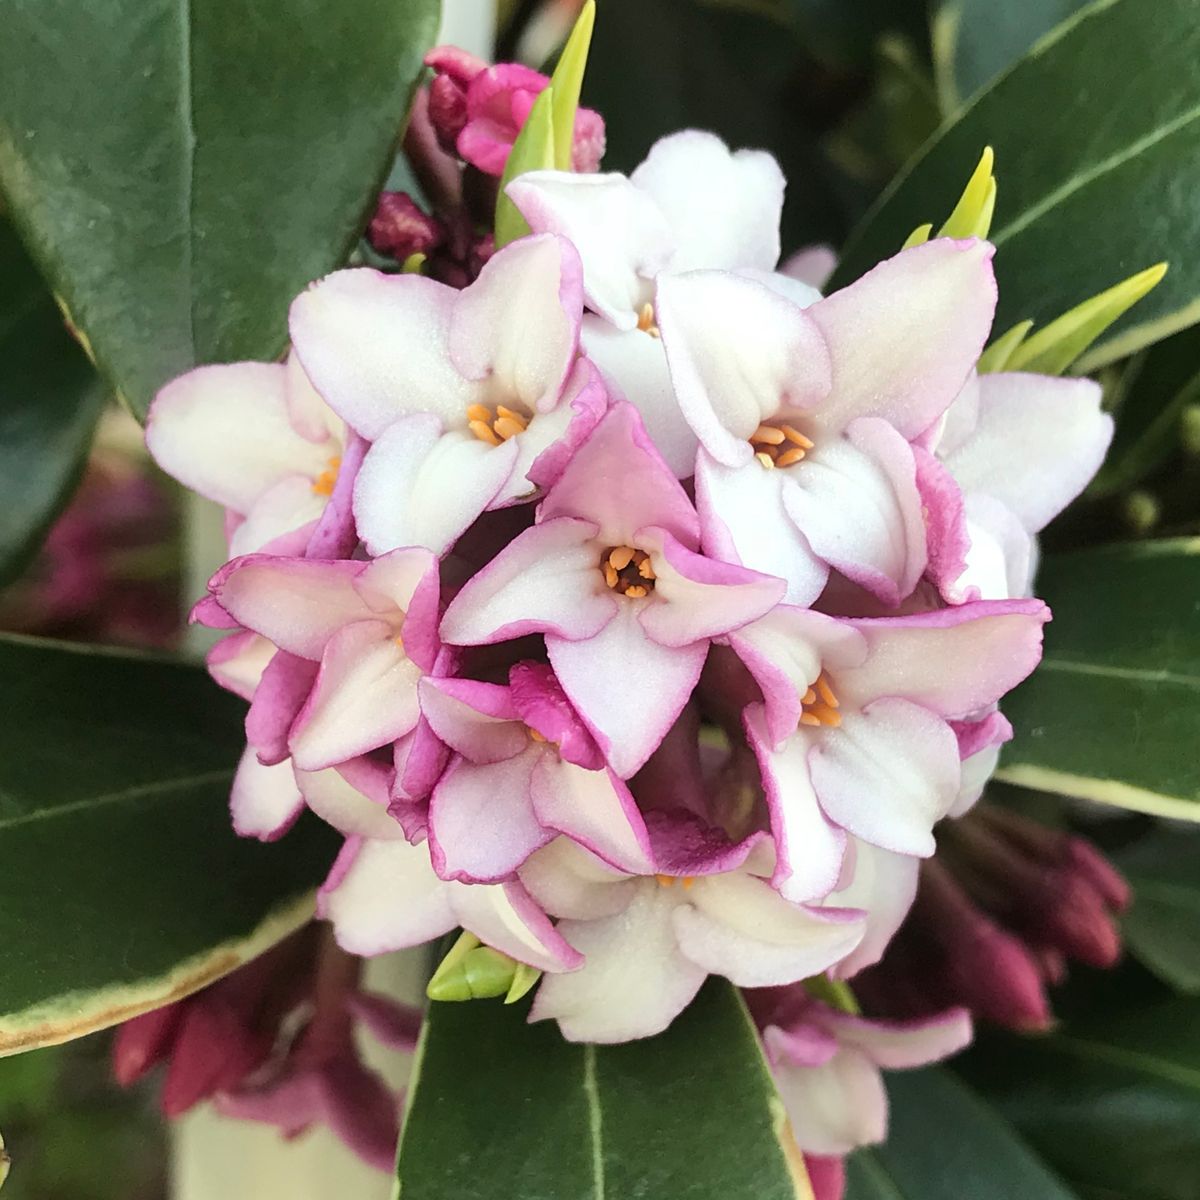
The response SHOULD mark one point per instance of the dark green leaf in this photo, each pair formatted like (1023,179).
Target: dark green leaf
(1097,140)
(1113,1104)
(50,401)
(123,883)
(181,171)
(946,1143)
(498,1108)
(1113,712)
(1162,928)
(974,40)
(1163,381)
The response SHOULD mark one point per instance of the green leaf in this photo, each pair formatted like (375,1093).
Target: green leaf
(181,171)
(497,1107)
(123,884)
(1162,382)
(1112,1103)
(49,404)
(974,40)
(567,82)
(532,151)
(1085,147)
(945,1143)
(1113,712)
(1161,927)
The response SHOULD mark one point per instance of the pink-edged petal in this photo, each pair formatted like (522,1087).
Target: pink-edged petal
(634,980)
(634,367)
(723,207)
(517,326)
(744,520)
(622,238)
(882,884)
(238,660)
(551,439)
(284,507)
(224,432)
(1001,555)
(547,579)
(918,657)
(809,848)
(420,758)
(482,825)
(738,353)
(404,584)
(812,265)
(947,539)
(538,697)
(385,896)
(505,916)
(801,1045)
(281,694)
(887,774)
(627,688)
(299,604)
(1036,443)
(619,481)
(309,415)
(905,336)
(569,881)
(979,743)
(902,1045)
(686,844)
(593,808)
(785,651)
(476,720)
(420,485)
(377,347)
(265,800)
(336,535)
(696,598)
(835,1108)
(338,802)
(365,696)
(855,499)
(738,926)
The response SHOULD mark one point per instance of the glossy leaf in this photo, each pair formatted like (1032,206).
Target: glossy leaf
(1162,382)
(123,884)
(497,1107)
(181,171)
(1113,712)
(50,401)
(1085,147)
(974,40)
(946,1143)
(1162,928)
(1112,1102)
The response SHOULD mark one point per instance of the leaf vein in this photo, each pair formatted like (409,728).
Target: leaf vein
(595,1120)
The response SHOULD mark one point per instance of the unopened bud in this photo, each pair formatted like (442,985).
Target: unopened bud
(143,1042)
(473,971)
(1141,511)
(401,230)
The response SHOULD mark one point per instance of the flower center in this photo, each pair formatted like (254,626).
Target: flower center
(627,571)
(324,483)
(779,445)
(647,322)
(495,425)
(820,705)
(537,737)
(671,880)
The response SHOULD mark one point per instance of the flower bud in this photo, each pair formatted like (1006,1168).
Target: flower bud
(400,229)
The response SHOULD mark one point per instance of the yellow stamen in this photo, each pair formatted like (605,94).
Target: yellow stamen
(794,436)
(621,557)
(483,431)
(809,697)
(533,733)
(628,571)
(770,434)
(636,592)
(645,569)
(806,718)
(324,483)
(501,411)
(646,321)
(508,427)
(670,880)
(688,880)
(826,692)
(820,705)
(479,412)
(665,880)
(611,577)
(789,457)
(767,461)
(825,715)
(495,426)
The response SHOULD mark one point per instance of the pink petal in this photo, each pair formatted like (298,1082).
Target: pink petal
(336,535)
(376,347)
(905,336)
(835,1108)
(626,687)
(404,584)
(265,800)
(569,881)
(537,696)
(551,439)
(812,265)
(285,686)
(887,774)
(883,885)
(339,803)
(505,916)
(476,720)
(899,1045)
(238,660)
(287,505)
(1001,555)
(947,538)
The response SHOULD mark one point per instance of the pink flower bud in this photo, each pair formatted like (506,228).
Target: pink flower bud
(400,229)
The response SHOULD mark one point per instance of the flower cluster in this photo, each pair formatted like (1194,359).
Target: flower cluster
(635,607)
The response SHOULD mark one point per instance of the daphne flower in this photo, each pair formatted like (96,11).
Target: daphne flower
(691,204)
(650,941)
(854,735)
(810,479)
(525,769)
(368,629)
(256,438)
(611,575)
(460,392)
(827,1065)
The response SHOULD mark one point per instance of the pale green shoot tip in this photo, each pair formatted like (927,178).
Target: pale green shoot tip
(972,215)
(524,977)
(532,151)
(1052,350)
(998,355)
(834,992)
(567,82)
(918,237)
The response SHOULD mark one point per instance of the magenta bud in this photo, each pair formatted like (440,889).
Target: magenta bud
(1102,875)
(143,1042)
(400,229)
(447,111)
